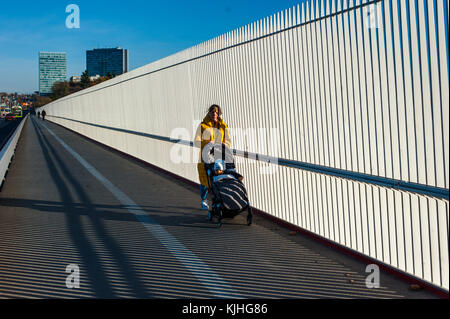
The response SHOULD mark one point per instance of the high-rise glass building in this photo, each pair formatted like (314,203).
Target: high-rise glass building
(103,61)
(52,68)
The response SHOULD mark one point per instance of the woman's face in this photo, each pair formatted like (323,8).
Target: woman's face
(214,114)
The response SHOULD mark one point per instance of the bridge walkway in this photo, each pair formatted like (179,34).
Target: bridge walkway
(136,233)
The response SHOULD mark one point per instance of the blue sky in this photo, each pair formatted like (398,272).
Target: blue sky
(150,30)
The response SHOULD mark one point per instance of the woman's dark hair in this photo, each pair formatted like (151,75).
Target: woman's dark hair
(212,108)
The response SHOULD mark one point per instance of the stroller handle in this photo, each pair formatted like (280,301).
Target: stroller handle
(213,151)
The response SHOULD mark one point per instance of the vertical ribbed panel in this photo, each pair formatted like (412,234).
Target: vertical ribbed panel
(355,85)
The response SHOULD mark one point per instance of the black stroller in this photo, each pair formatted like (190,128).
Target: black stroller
(229,195)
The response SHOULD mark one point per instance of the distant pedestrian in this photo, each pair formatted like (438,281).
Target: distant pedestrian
(39,114)
(43,115)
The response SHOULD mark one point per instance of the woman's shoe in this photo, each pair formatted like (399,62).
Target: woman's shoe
(205,205)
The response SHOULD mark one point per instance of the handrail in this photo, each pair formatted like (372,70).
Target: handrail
(411,187)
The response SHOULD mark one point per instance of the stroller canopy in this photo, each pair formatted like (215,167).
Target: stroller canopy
(213,152)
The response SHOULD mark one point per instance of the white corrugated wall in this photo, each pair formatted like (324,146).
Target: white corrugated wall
(360,86)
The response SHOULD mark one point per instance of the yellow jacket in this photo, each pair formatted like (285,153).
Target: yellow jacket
(207,132)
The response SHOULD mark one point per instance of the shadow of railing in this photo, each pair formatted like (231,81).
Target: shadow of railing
(118,257)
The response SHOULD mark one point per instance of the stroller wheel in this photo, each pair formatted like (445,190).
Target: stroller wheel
(249,220)
(217,213)
(249,216)
(219,221)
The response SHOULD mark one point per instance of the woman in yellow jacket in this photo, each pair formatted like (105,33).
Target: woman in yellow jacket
(212,129)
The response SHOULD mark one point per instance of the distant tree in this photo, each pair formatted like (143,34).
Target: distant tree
(74,87)
(100,80)
(59,89)
(41,101)
(85,80)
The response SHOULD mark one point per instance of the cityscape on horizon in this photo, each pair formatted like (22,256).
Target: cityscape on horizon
(54,82)
(100,62)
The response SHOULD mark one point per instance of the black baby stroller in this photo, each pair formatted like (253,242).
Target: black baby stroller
(229,194)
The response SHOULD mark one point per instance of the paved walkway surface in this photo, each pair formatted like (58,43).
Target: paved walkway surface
(135,233)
